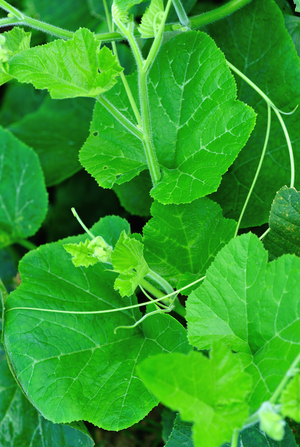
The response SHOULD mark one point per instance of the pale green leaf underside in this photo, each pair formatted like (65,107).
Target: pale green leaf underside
(297,3)
(23,196)
(198,126)
(253,307)
(86,370)
(181,241)
(284,223)
(16,40)
(209,392)
(67,69)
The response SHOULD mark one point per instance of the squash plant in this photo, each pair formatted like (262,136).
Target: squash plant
(203,127)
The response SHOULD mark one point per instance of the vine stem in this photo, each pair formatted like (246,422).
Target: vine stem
(180,11)
(110,24)
(195,22)
(235,438)
(27,244)
(277,112)
(257,170)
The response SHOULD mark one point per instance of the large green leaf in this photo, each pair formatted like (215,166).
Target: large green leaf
(198,126)
(209,392)
(284,222)
(56,131)
(255,40)
(181,434)
(87,371)
(252,306)
(22,425)
(80,68)
(23,196)
(181,241)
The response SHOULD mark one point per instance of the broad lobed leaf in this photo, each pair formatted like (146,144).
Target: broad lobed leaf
(198,125)
(68,69)
(252,306)
(12,43)
(209,392)
(87,371)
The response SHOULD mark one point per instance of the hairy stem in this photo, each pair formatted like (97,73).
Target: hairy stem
(217,14)
(11,10)
(110,24)
(257,171)
(181,14)
(150,153)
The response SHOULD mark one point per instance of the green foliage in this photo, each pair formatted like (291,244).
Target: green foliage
(184,138)
(284,236)
(256,315)
(23,196)
(77,71)
(247,43)
(11,43)
(209,392)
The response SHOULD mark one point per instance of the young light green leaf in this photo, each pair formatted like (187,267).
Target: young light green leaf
(128,259)
(63,127)
(11,43)
(88,372)
(23,195)
(252,307)
(22,425)
(284,222)
(89,252)
(290,399)
(181,241)
(152,19)
(195,140)
(78,70)
(209,392)
(121,7)
(249,45)
(271,422)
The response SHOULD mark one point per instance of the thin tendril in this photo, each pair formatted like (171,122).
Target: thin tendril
(152,299)
(257,171)
(264,234)
(160,311)
(276,110)
(109,310)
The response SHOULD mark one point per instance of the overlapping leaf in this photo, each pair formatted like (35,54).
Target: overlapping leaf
(198,126)
(56,131)
(134,195)
(87,371)
(266,54)
(181,241)
(23,196)
(209,392)
(68,69)
(252,306)
(284,222)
